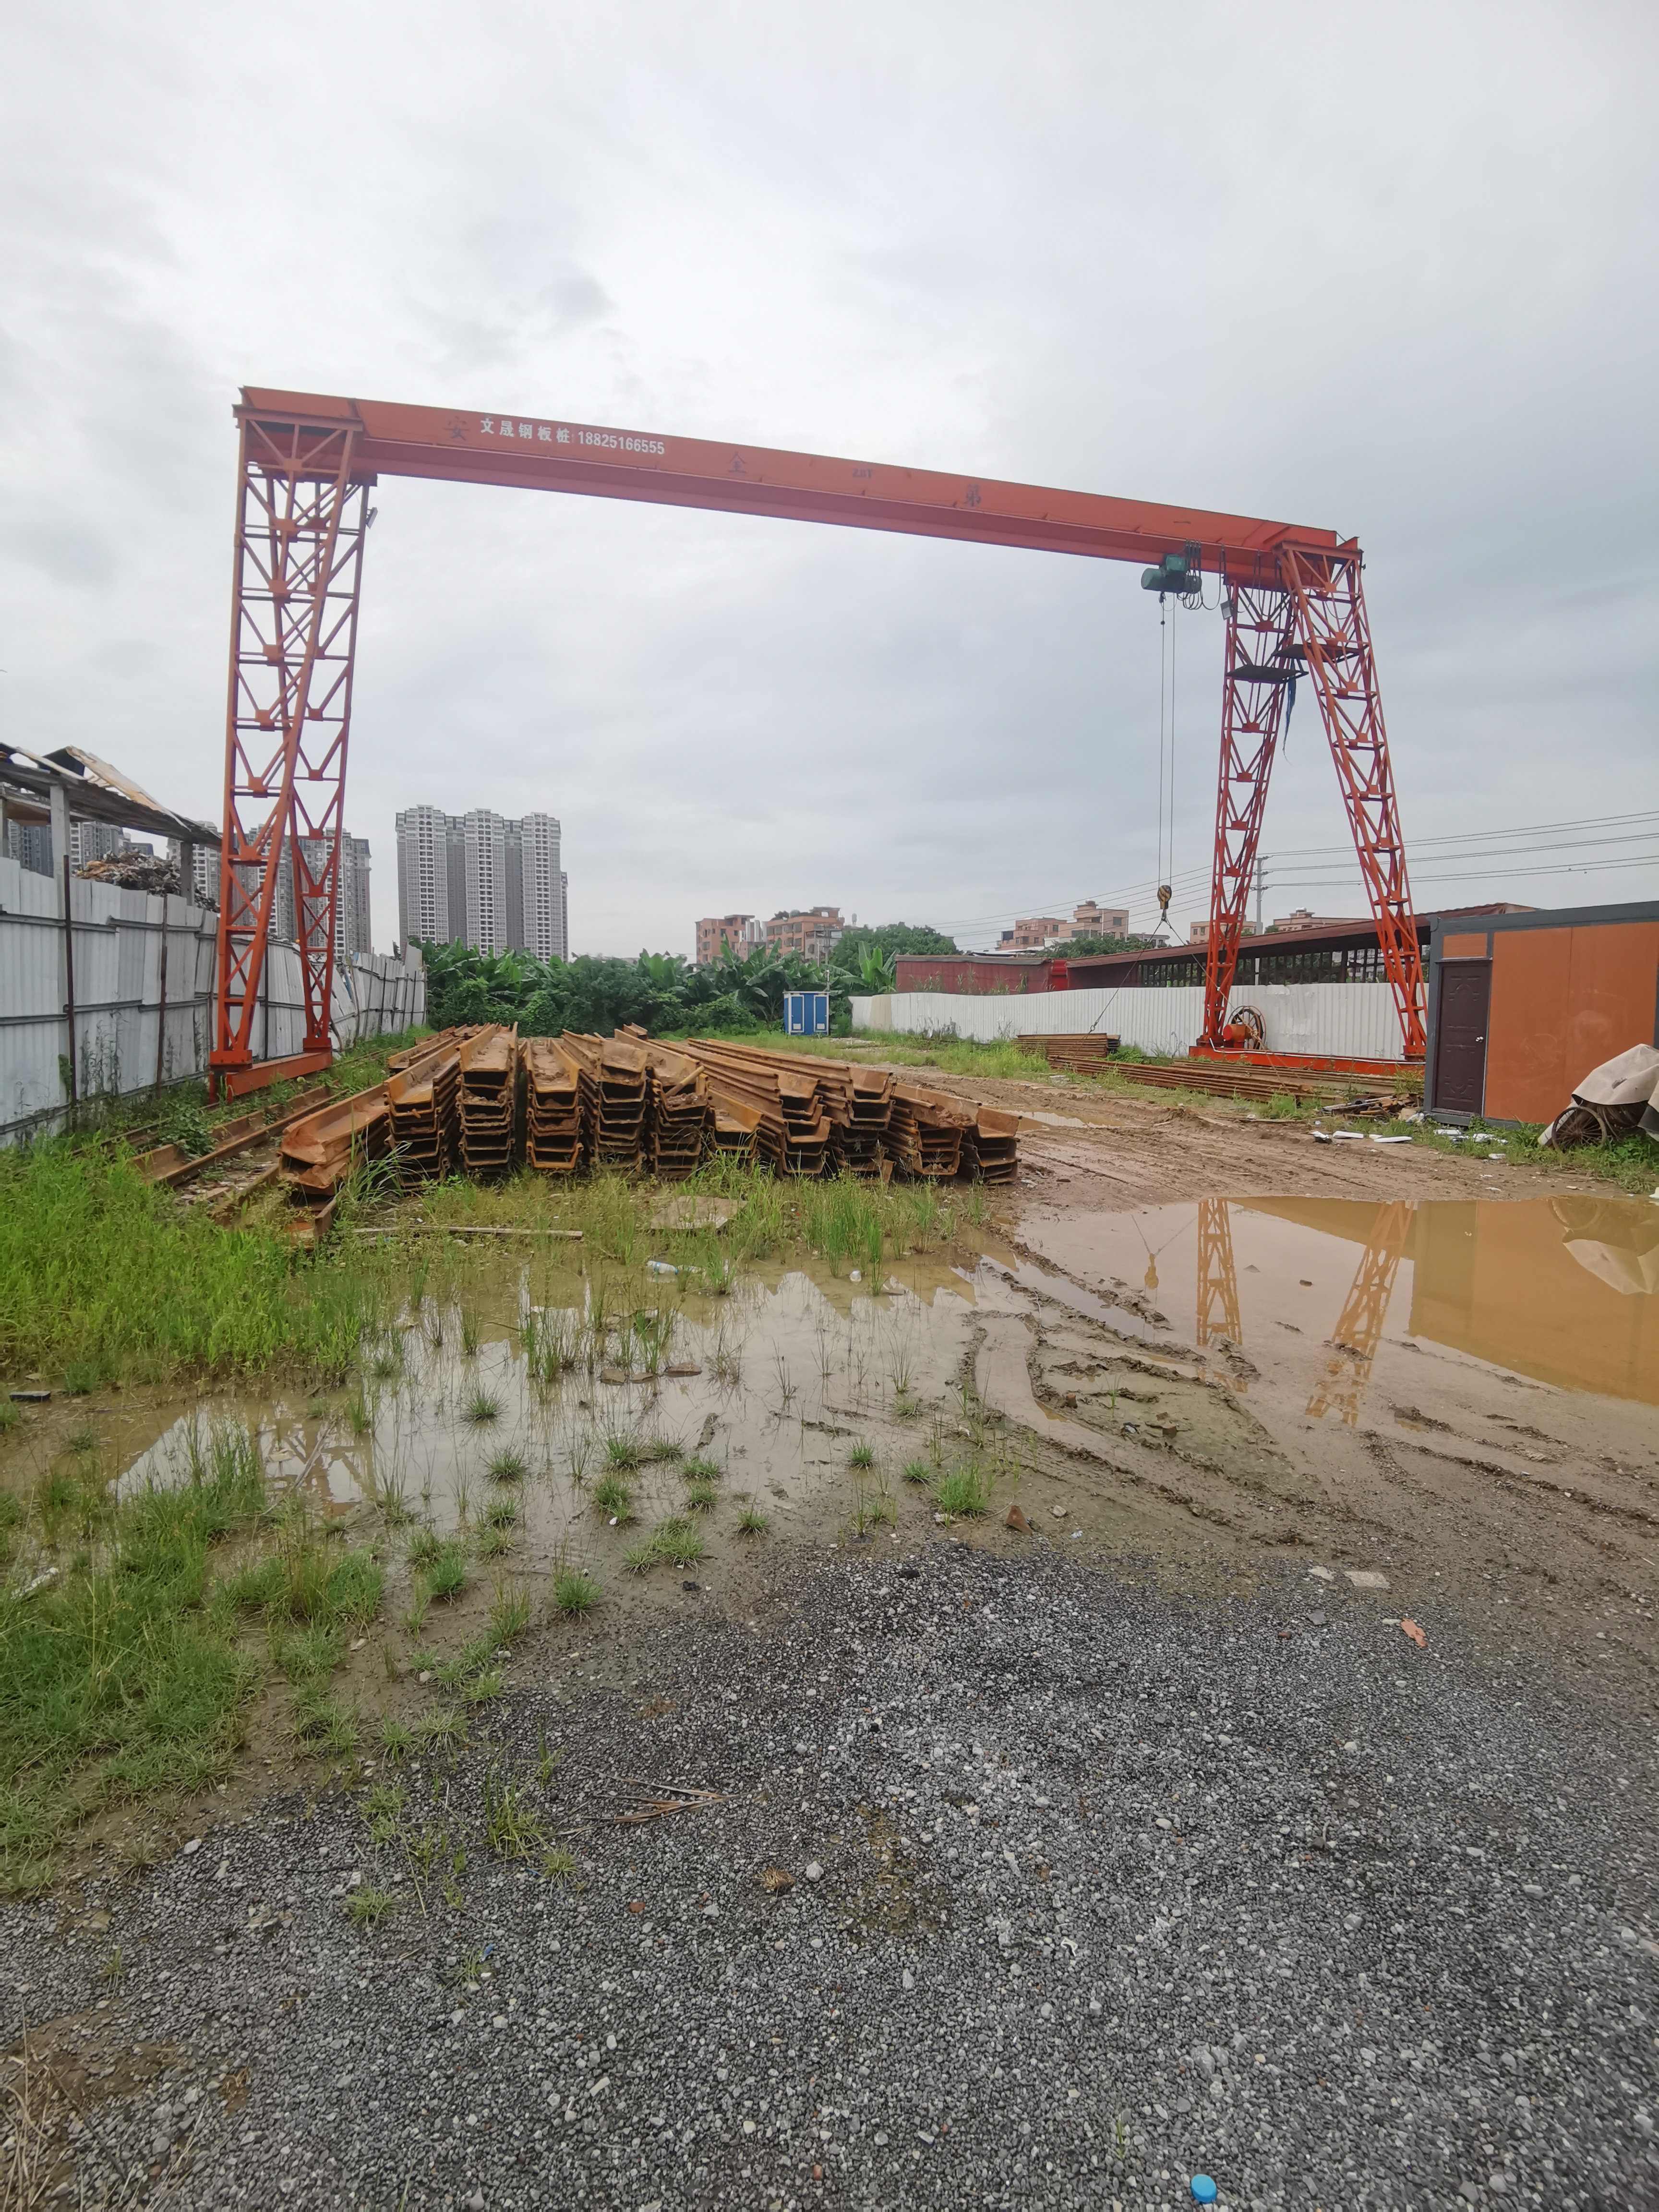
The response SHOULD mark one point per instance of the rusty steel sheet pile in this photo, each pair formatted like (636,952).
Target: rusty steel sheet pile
(319,1151)
(641,1105)
(925,1131)
(679,1112)
(424,1099)
(791,1130)
(1084,1053)
(553,1107)
(490,1100)
(616,1094)
(990,1145)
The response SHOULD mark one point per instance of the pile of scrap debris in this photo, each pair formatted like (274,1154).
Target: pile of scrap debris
(476,1101)
(135,870)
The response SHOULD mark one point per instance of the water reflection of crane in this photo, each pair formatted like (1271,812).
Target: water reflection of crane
(1358,1329)
(1217,1281)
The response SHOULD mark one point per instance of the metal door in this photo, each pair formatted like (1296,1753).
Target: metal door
(1460,1047)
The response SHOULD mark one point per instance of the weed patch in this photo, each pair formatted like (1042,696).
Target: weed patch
(115,1678)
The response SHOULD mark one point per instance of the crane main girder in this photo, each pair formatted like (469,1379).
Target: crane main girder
(306,461)
(543,453)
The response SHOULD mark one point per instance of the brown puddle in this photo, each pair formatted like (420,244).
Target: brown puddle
(1564,1289)
(777,1383)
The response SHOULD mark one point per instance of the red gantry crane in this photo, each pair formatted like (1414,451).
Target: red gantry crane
(1294,607)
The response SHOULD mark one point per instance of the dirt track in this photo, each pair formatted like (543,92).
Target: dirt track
(1145,1151)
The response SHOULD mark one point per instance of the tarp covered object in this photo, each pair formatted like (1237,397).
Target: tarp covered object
(1611,1100)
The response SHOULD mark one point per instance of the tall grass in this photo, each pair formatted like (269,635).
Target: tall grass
(101,1270)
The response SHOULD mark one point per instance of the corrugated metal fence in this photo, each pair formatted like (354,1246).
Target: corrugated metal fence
(123,1038)
(1354,1021)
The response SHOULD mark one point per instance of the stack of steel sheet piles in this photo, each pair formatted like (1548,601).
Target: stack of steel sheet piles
(423,1100)
(925,1131)
(860,1117)
(319,1151)
(1083,1055)
(553,1117)
(791,1135)
(990,1145)
(615,1093)
(678,1123)
(490,1100)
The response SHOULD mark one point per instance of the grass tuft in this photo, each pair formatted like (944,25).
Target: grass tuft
(965,1492)
(481,1408)
(367,1907)
(678,1542)
(509,1612)
(445,1576)
(613,1497)
(752,1522)
(575,1590)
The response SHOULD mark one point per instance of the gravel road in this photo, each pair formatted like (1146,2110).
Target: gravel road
(1094,1885)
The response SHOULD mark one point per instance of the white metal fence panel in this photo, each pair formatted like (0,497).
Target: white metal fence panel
(1349,1021)
(124,1036)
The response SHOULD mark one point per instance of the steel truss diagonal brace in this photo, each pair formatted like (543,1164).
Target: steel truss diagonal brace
(299,523)
(1358,1329)
(1258,672)
(1333,641)
(1218,1278)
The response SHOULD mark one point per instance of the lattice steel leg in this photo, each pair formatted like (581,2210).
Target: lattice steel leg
(1335,640)
(300,526)
(1260,666)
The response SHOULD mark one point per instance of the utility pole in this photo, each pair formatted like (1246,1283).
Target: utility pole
(1259,867)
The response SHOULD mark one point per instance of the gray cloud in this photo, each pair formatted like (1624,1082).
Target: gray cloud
(1388,272)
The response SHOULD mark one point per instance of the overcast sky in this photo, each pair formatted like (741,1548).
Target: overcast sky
(1387,271)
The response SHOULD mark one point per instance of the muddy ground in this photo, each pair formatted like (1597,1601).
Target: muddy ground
(1277,1801)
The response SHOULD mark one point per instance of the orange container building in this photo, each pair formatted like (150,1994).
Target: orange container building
(1522,1006)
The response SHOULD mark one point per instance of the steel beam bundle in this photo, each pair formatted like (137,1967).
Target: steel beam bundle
(553,1107)
(423,1098)
(490,1100)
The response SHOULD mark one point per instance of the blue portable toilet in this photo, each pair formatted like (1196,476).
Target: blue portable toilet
(806,1013)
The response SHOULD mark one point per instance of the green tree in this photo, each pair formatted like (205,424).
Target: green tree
(1079,947)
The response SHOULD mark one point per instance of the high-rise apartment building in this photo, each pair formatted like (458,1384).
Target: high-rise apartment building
(354,933)
(482,880)
(98,841)
(203,884)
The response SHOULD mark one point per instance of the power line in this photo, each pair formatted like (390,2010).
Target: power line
(1194,879)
